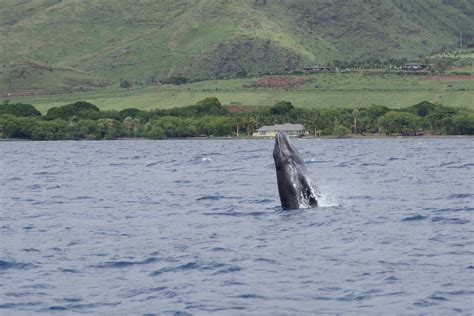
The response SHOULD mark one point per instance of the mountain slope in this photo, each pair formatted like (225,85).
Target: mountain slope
(113,39)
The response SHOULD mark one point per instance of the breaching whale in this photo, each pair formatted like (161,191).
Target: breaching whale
(294,185)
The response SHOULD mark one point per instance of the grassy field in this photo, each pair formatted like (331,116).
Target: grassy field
(324,90)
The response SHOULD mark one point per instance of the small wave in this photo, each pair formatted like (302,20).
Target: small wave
(125,264)
(391,279)
(456,196)
(67,270)
(424,303)
(263,201)
(216,197)
(449,163)
(141,291)
(219,249)
(30,250)
(449,209)
(445,220)
(201,160)
(344,164)
(220,267)
(414,218)
(57,308)
(47,202)
(182,181)
(310,161)
(237,214)
(230,269)
(467,165)
(360,197)
(248,151)
(210,198)
(128,158)
(250,296)
(84,197)
(18,305)
(6,265)
(366,164)
(265,260)
(117,164)
(151,164)
(45,173)
(54,187)
(91,306)
(437,297)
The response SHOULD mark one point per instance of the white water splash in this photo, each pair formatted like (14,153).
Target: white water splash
(325,200)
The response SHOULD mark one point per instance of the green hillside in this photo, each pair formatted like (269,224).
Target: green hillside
(95,43)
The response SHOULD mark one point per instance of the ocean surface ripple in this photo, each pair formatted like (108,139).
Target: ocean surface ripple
(194,227)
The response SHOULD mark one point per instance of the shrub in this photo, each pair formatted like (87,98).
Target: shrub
(18,109)
(176,80)
(75,110)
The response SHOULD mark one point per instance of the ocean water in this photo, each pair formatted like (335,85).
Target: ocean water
(182,227)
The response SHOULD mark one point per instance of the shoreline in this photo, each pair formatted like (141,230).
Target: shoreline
(351,137)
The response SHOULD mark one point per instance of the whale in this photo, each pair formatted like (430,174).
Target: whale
(294,185)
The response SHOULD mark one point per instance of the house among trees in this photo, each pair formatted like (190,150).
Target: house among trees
(315,68)
(271,131)
(415,67)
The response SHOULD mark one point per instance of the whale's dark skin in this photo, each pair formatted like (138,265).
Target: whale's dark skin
(294,185)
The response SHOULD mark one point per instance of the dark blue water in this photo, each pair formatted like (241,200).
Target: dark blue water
(194,227)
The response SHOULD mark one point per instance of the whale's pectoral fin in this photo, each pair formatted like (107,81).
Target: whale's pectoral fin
(308,191)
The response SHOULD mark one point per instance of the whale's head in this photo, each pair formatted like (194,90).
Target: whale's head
(294,185)
(284,153)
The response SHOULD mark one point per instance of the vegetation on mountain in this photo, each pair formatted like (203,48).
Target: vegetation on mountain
(51,44)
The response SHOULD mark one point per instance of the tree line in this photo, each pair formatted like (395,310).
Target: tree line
(83,120)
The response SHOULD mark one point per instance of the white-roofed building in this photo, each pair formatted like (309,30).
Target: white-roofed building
(271,131)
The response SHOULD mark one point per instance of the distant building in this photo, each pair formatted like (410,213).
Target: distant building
(314,69)
(271,131)
(415,67)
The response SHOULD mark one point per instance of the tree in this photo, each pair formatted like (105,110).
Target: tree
(440,119)
(153,131)
(215,126)
(133,113)
(125,84)
(422,109)
(282,107)
(368,117)
(355,115)
(131,125)
(341,130)
(402,123)
(209,106)
(463,124)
